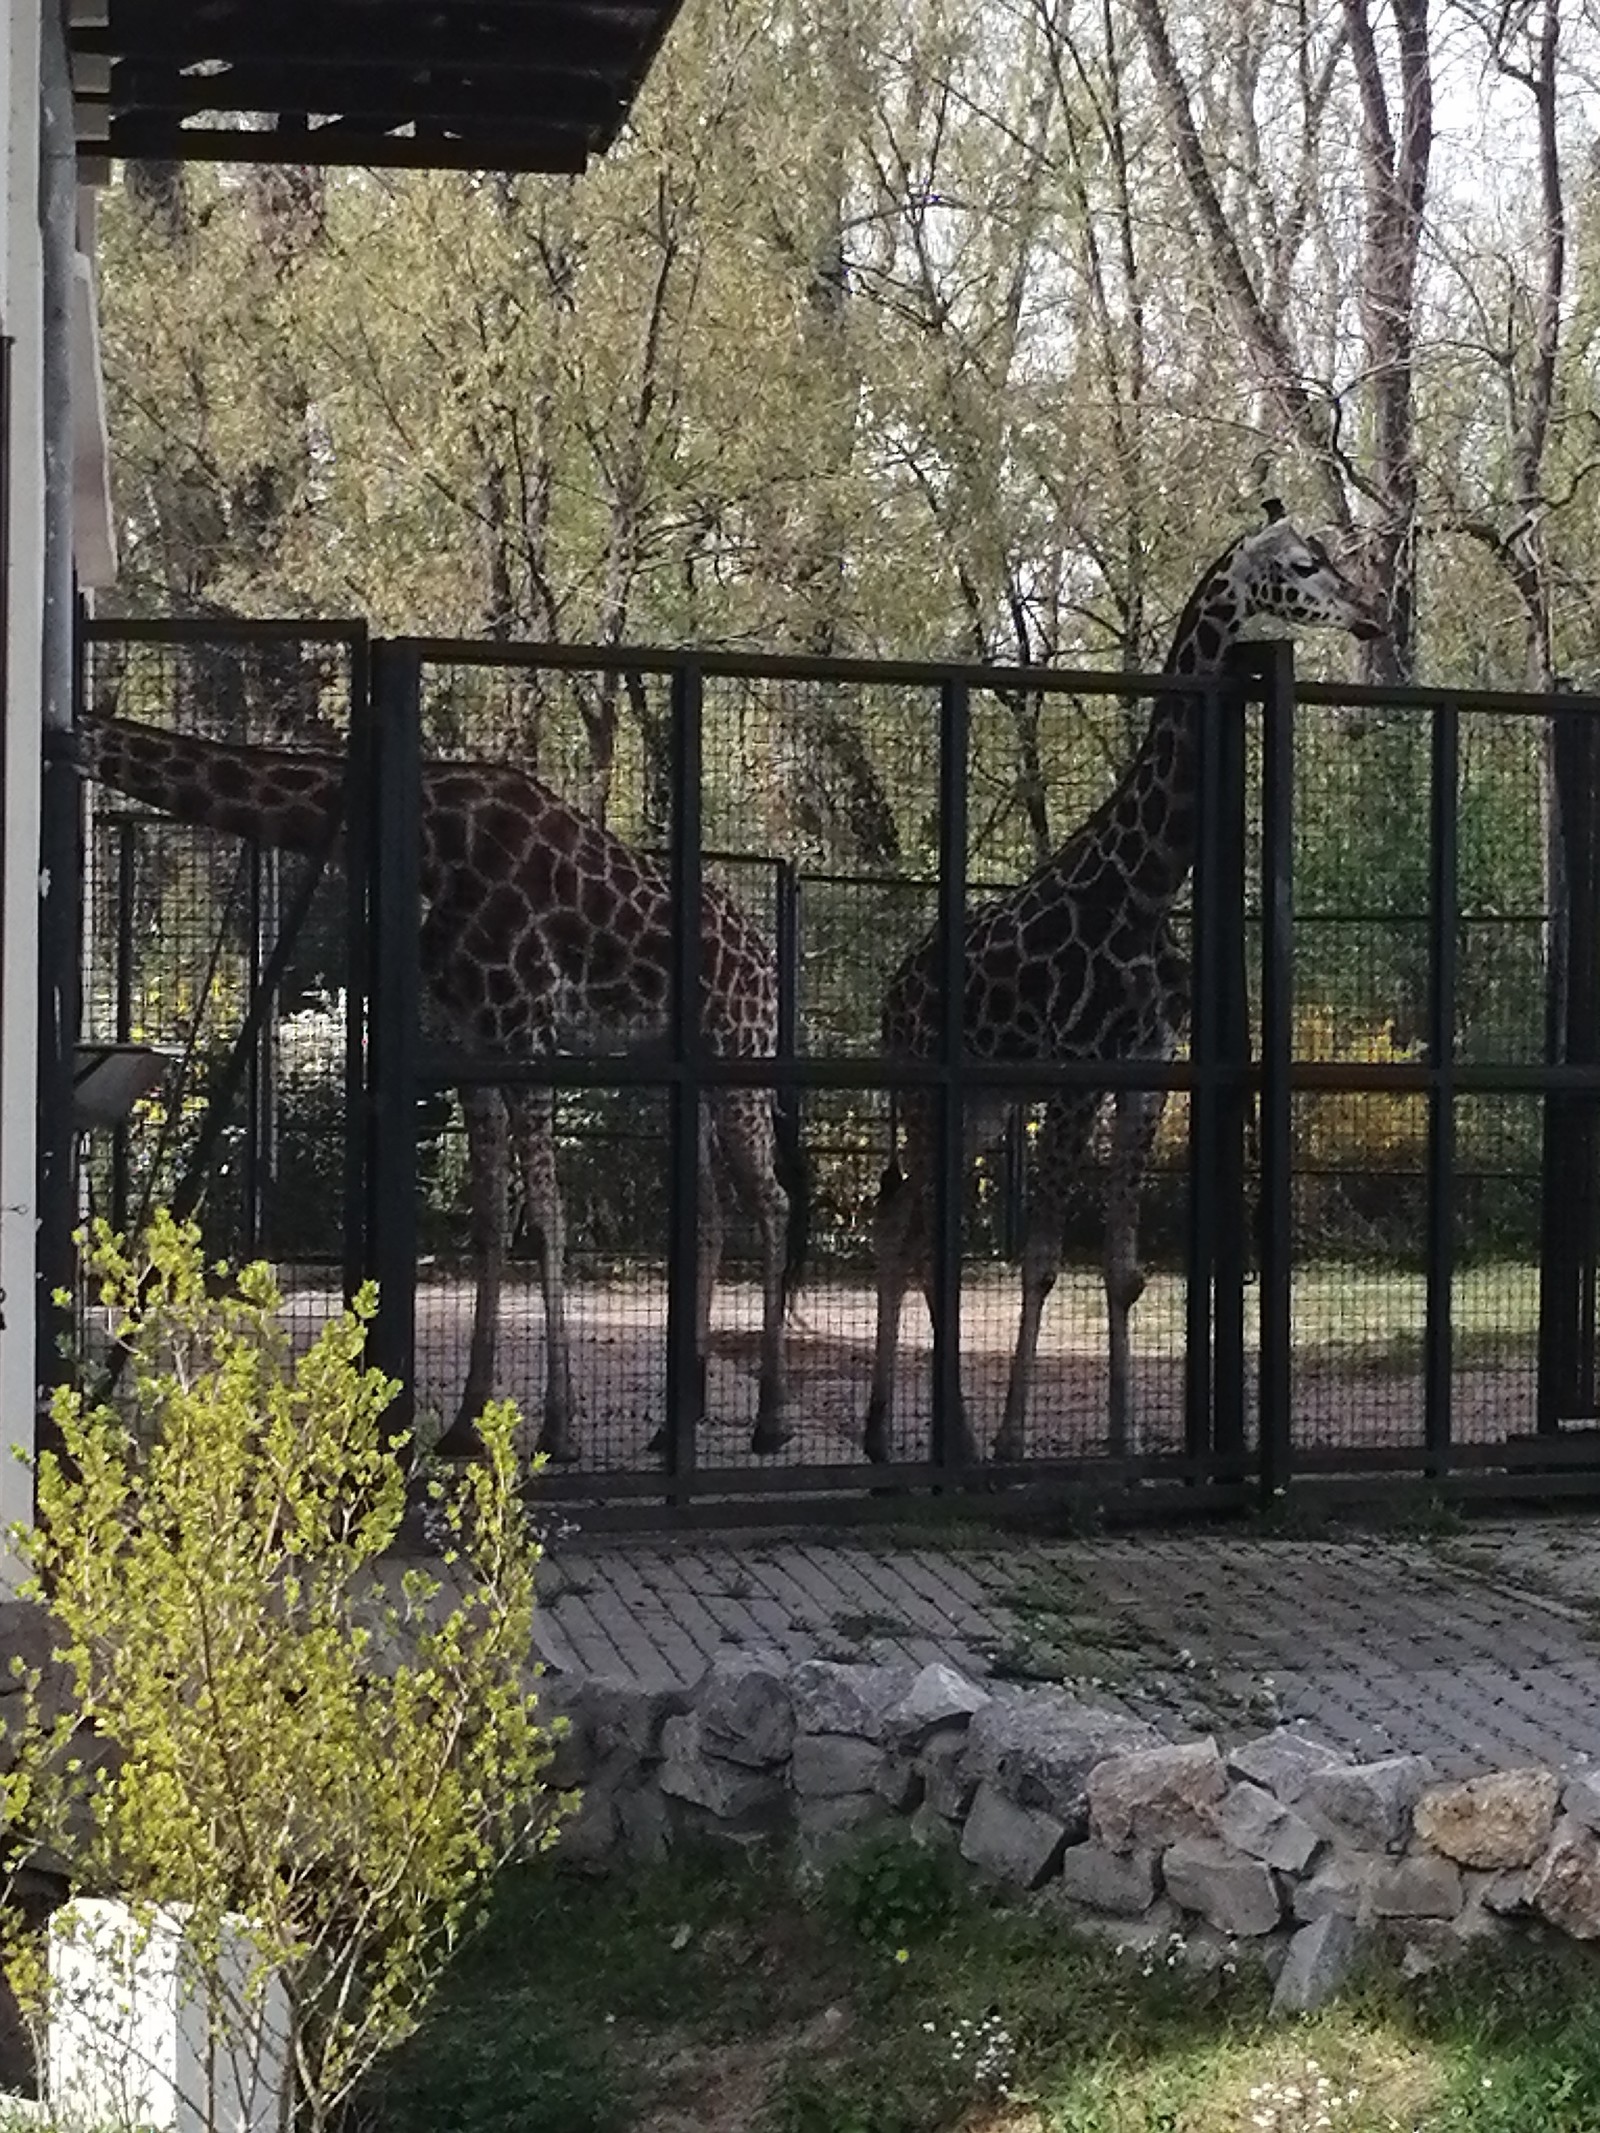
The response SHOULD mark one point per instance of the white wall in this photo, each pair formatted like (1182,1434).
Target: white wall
(20,309)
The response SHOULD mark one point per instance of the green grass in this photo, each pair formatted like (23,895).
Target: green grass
(706,1997)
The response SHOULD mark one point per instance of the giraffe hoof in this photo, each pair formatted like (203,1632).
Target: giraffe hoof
(559,1449)
(460,1441)
(769,1437)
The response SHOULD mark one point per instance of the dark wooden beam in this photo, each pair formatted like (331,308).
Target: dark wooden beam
(560,97)
(134,137)
(555,35)
(528,85)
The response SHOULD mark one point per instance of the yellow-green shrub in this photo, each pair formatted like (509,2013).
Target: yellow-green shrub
(282,1737)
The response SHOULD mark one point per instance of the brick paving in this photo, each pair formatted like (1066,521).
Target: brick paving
(1480,1650)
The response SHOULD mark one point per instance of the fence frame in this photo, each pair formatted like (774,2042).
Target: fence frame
(390,1068)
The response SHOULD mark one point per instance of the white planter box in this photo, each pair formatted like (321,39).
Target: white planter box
(138,2041)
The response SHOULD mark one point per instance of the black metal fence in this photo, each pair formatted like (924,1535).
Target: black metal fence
(1370,1223)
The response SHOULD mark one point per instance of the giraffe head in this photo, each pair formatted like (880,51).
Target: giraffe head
(1278,570)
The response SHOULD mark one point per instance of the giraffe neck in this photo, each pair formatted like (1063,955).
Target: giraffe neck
(1149,820)
(277,796)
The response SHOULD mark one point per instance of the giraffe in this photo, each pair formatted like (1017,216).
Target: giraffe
(542,930)
(1081,962)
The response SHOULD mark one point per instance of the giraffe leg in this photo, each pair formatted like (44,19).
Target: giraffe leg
(749,1146)
(1136,1119)
(488,1179)
(533,1123)
(903,1236)
(971,1453)
(1062,1140)
(899,1225)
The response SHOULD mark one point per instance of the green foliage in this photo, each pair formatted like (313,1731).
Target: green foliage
(714,1994)
(286,1729)
(893,1892)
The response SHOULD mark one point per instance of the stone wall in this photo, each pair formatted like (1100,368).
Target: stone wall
(1281,1846)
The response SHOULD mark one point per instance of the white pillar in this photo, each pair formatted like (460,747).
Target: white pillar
(20,320)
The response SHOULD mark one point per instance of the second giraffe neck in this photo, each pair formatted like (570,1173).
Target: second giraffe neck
(1149,821)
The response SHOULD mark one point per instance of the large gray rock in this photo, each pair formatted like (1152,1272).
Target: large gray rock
(938,1698)
(1418,1887)
(689,1771)
(1505,1894)
(831,1696)
(623,1715)
(947,1783)
(1020,1845)
(1235,1894)
(1317,1964)
(744,1707)
(1581,1799)
(1338,1888)
(1564,1885)
(591,1834)
(1283,1762)
(1494,1822)
(1154,1795)
(825,1766)
(560,1707)
(644,1822)
(899,1781)
(826,1828)
(1256,1821)
(1039,1749)
(1371,1802)
(933,1831)
(1123,1885)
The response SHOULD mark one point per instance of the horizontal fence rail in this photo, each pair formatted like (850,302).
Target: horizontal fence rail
(1369,1212)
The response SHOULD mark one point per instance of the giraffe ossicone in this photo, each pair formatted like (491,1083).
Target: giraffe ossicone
(1080,962)
(541,931)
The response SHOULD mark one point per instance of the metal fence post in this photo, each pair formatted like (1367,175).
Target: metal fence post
(947,1447)
(1443,902)
(60,980)
(358,912)
(126,831)
(251,1154)
(395,977)
(1203,1049)
(685,1364)
(1572,1038)
(1276,1117)
(1229,1253)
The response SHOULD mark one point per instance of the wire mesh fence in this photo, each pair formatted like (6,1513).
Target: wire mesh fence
(184,927)
(1432,1310)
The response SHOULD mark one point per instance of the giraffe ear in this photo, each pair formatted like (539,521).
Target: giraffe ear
(1273,507)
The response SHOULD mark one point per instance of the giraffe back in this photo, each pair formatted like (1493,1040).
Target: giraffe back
(545,930)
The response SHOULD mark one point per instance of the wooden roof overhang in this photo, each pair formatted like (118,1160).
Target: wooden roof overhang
(513,85)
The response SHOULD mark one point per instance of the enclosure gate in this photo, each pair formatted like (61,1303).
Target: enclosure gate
(1248,1401)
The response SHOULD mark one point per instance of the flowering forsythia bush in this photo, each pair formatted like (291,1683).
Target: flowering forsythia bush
(285,1732)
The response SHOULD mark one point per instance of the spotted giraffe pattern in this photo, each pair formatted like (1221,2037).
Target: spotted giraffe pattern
(1080,962)
(542,932)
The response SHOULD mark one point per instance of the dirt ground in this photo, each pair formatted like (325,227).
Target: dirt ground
(1362,1389)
